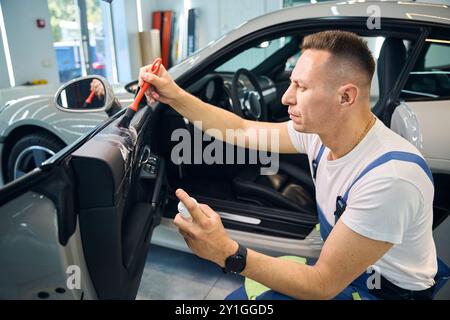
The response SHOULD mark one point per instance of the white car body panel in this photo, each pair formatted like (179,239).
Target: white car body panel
(425,125)
(41,111)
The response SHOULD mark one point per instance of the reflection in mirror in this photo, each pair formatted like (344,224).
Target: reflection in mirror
(84,94)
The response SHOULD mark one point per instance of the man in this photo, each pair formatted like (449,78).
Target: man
(386,218)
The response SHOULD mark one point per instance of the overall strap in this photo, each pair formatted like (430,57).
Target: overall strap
(315,162)
(341,202)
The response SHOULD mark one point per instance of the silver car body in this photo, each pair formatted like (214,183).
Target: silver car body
(35,112)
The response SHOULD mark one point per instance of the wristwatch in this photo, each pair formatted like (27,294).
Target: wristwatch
(236,263)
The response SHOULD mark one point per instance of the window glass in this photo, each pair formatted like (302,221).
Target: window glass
(252,57)
(430,78)
(82,38)
(66,36)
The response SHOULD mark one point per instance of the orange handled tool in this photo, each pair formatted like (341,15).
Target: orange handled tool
(153,69)
(133,108)
(89,99)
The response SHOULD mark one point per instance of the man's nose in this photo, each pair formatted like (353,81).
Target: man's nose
(288,98)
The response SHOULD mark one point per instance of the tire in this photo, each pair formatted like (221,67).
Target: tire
(30,150)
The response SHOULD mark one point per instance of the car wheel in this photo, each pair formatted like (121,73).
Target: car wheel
(29,152)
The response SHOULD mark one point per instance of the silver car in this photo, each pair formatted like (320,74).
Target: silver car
(79,226)
(34,128)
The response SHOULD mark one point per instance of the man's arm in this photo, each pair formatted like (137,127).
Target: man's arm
(345,256)
(245,132)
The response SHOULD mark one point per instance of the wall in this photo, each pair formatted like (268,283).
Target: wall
(125,38)
(215,18)
(31,48)
(4,79)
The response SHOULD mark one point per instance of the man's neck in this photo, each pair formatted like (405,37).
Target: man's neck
(346,136)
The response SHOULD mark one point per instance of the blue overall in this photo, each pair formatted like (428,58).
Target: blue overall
(358,288)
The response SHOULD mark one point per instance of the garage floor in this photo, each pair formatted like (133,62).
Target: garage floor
(175,275)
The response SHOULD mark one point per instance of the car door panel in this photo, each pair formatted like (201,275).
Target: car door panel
(119,205)
(29,245)
(39,239)
(93,208)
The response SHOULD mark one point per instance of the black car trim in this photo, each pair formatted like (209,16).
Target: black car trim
(392,98)
(21,185)
(59,188)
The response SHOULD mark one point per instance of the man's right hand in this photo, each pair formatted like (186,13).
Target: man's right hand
(98,88)
(163,88)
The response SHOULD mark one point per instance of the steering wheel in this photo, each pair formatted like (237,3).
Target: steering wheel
(248,102)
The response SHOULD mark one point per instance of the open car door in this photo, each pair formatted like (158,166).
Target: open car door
(79,227)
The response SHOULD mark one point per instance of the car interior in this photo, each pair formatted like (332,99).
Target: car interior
(239,191)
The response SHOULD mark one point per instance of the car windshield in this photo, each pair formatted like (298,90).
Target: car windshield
(254,56)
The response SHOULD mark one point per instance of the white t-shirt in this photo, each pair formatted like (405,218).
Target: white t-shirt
(393,202)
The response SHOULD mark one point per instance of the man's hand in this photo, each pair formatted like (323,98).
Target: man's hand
(163,88)
(205,235)
(97,88)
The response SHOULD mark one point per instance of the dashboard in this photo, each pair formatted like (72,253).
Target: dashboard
(215,89)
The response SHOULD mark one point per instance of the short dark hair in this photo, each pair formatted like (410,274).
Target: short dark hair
(345,45)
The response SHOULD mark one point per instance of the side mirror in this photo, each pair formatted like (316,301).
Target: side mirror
(132,87)
(85,94)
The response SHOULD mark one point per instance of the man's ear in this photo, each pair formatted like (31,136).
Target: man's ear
(348,94)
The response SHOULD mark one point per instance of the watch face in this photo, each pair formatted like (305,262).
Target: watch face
(235,264)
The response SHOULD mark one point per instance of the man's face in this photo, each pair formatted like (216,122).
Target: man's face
(311,95)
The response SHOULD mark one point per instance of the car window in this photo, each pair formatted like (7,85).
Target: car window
(430,78)
(255,56)
(252,57)
(291,62)
(375,44)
